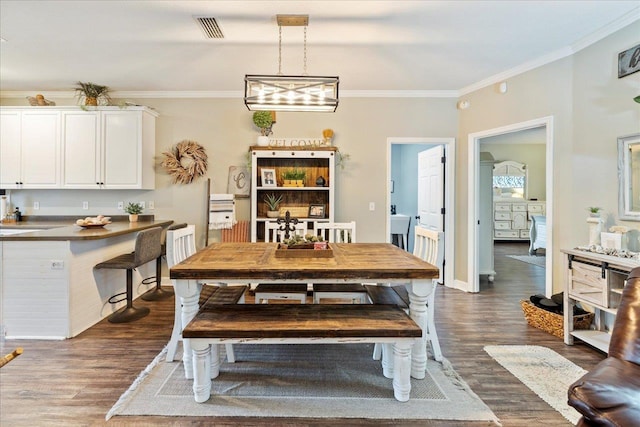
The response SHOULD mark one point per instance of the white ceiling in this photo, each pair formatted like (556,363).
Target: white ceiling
(411,46)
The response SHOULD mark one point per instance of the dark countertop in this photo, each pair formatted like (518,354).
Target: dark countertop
(57,230)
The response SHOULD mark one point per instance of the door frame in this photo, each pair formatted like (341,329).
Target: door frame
(473,279)
(449,197)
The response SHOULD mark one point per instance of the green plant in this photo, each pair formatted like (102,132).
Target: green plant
(594,209)
(341,159)
(91,90)
(272,201)
(133,208)
(263,120)
(289,174)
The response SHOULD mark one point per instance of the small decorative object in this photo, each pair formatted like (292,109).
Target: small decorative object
(612,241)
(309,246)
(320,182)
(268,177)
(300,175)
(594,211)
(629,61)
(273,202)
(93,94)
(39,101)
(133,209)
(327,134)
(239,183)
(94,222)
(186,161)
(316,211)
(264,120)
(287,224)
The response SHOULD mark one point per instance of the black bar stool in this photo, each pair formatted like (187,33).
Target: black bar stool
(158,293)
(148,248)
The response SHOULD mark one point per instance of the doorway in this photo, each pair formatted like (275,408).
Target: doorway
(546,123)
(409,176)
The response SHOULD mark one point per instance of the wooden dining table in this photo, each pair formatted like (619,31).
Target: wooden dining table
(379,263)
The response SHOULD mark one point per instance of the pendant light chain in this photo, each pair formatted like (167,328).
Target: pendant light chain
(304,73)
(280,50)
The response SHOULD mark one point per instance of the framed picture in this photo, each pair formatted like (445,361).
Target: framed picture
(316,211)
(268,177)
(239,181)
(629,61)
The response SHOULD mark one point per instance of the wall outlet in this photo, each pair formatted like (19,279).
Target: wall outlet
(121,206)
(57,264)
(36,206)
(143,205)
(152,205)
(85,205)
(372,206)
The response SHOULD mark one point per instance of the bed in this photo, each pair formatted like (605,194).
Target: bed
(538,234)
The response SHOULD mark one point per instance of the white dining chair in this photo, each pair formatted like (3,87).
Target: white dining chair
(281,291)
(181,244)
(338,232)
(428,246)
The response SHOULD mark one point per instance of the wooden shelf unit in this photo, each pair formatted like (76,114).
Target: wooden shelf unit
(316,162)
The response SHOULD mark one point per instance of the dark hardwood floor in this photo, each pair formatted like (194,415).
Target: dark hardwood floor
(75,382)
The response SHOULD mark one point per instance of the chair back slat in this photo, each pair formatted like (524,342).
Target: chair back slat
(427,245)
(337,232)
(272,232)
(181,244)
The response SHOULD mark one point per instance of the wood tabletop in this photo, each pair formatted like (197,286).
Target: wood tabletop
(257,261)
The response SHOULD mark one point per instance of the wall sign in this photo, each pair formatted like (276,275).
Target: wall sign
(629,61)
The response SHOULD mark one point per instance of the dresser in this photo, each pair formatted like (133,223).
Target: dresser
(512,219)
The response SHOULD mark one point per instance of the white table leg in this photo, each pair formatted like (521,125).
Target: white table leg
(201,371)
(418,296)
(401,370)
(189,293)
(387,360)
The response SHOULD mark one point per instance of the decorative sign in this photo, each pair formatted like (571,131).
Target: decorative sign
(239,181)
(629,61)
(299,142)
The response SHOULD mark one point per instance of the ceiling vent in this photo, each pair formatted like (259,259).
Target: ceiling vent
(210,27)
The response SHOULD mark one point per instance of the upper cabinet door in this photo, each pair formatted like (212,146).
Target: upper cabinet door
(81,149)
(40,149)
(122,149)
(10,143)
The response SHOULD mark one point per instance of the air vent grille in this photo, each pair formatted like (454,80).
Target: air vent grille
(210,27)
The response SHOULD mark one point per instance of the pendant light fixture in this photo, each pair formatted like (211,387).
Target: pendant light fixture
(289,92)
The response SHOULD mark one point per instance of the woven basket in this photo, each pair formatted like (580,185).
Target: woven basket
(551,322)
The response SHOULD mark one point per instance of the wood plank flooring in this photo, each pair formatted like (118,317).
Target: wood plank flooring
(75,382)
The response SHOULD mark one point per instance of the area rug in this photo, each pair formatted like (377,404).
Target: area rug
(544,371)
(540,261)
(317,381)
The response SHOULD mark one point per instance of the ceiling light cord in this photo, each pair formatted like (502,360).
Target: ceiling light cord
(304,71)
(279,50)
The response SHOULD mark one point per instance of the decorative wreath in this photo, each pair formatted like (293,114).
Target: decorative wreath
(186,161)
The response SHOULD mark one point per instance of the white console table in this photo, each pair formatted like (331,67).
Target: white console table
(596,281)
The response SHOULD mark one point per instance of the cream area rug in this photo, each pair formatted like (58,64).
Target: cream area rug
(544,371)
(317,381)
(540,261)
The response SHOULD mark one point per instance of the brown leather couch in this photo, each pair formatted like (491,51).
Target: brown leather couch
(609,395)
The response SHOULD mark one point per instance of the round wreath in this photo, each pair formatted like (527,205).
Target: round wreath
(186,161)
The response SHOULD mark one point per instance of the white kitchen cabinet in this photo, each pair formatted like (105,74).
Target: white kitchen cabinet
(109,149)
(29,149)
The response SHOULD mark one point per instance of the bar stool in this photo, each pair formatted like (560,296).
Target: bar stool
(147,248)
(158,293)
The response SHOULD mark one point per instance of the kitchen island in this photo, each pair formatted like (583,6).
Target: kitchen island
(48,287)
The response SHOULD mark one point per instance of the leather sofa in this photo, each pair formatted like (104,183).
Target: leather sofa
(609,395)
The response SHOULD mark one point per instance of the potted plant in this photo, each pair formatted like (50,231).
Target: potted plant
(264,121)
(93,94)
(594,211)
(300,175)
(133,209)
(289,177)
(272,202)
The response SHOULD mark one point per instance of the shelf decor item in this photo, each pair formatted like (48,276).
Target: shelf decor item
(273,202)
(93,94)
(186,161)
(133,209)
(264,120)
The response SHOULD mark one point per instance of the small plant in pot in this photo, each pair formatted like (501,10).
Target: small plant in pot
(594,211)
(93,94)
(273,202)
(133,209)
(264,121)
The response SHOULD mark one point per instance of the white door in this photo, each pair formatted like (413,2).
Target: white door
(431,195)
(431,188)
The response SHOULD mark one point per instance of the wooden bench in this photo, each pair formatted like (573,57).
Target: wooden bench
(388,295)
(302,324)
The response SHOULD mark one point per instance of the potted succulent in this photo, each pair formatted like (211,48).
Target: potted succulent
(133,209)
(272,202)
(93,94)
(264,121)
(289,178)
(299,177)
(594,211)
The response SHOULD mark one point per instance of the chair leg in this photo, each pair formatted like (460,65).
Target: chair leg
(129,313)
(157,293)
(431,327)
(377,351)
(176,334)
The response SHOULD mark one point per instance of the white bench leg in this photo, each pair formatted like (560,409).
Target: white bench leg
(176,334)
(201,370)
(387,360)
(214,351)
(431,326)
(189,310)
(418,312)
(402,370)
(377,351)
